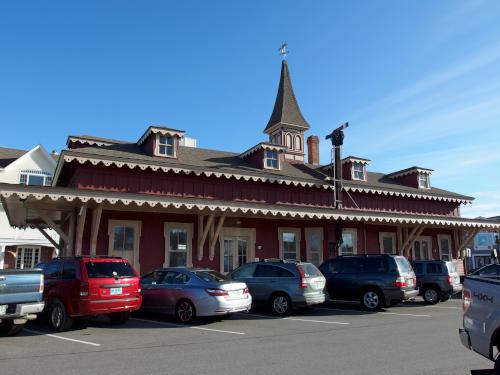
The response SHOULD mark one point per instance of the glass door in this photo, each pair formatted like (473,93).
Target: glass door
(235,252)
(422,249)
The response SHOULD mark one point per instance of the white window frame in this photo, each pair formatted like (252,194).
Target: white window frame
(420,239)
(447,237)
(189,228)
(298,238)
(427,184)
(37,255)
(136,225)
(24,177)
(354,233)
(266,158)
(308,233)
(381,236)
(363,170)
(174,146)
(297,142)
(248,234)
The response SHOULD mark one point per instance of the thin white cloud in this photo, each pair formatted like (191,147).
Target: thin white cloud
(487,204)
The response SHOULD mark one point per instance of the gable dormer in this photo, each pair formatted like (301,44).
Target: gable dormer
(354,168)
(161,141)
(286,126)
(265,156)
(416,177)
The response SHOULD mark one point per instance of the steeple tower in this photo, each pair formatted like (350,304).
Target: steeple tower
(286,126)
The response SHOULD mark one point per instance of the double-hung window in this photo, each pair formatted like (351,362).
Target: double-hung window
(178,240)
(387,241)
(444,242)
(349,242)
(166,146)
(358,171)
(272,161)
(423,181)
(289,239)
(36,178)
(27,257)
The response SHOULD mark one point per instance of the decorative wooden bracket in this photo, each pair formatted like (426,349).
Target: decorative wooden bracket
(53,225)
(415,232)
(215,237)
(204,234)
(50,239)
(96,220)
(80,226)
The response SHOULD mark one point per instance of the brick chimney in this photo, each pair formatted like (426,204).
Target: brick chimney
(313,150)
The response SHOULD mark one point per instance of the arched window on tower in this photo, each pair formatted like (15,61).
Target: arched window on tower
(288,140)
(298,143)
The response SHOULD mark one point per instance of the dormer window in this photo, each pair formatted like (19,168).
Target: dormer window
(272,161)
(166,146)
(358,171)
(423,181)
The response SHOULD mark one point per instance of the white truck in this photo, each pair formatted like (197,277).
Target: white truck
(481,319)
(21,298)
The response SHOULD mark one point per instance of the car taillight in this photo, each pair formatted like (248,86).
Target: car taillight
(217,292)
(245,291)
(84,289)
(40,287)
(450,279)
(400,282)
(302,280)
(466,300)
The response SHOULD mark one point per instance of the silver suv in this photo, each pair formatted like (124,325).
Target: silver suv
(283,285)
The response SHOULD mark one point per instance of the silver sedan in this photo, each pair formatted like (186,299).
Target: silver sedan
(191,292)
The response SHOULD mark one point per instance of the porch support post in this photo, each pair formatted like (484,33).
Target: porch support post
(50,239)
(96,221)
(399,237)
(80,226)
(53,225)
(2,255)
(216,235)
(204,235)
(70,248)
(457,243)
(470,236)
(200,234)
(409,239)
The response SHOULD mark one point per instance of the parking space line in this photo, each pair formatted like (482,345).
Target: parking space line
(446,307)
(61,337)
(379,312)
(184,326)
(298,319)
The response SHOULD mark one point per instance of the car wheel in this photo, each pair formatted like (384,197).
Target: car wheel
(431,296)
(372,300)
(119,318)
(8,328)
(185,311)
(58,318)
(281,304)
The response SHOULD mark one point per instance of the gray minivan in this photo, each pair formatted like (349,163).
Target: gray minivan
(283,285)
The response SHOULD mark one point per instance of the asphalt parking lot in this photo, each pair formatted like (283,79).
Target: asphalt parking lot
(336,339)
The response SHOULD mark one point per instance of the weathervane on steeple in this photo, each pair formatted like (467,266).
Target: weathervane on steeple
(283,50)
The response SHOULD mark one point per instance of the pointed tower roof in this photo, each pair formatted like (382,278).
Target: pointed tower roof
(286,109)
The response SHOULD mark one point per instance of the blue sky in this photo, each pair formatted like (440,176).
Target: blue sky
(418,81)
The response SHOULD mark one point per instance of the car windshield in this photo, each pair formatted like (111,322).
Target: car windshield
(211,276)
(109,269)
(403,265)
(310,270)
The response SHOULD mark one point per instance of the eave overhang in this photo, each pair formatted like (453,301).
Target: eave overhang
(18,199)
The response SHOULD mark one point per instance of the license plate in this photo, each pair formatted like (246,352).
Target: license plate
(3,309)
(115,291)
(319,284)
(410,282)
(235,294)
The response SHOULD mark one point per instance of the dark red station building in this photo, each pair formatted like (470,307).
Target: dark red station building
(159,202)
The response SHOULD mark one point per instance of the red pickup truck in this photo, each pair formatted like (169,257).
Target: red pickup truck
(84,286)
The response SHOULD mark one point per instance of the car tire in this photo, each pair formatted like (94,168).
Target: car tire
(58,317)
(281,304)
(496,368)
(8,328)
(372,299)
(119,317)
(185,311)
(431,295)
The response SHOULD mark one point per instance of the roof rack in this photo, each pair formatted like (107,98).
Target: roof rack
(87,256)
(278,260)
